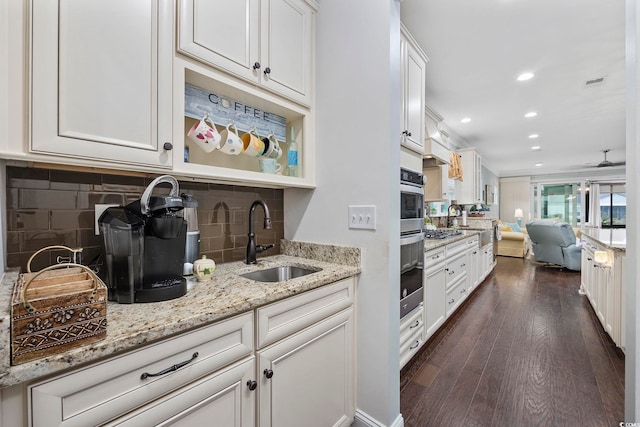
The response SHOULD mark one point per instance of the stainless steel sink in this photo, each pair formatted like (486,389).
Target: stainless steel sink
(278,274)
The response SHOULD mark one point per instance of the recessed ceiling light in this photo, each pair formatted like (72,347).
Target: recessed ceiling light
(536,148)
(538,165)
(525,76)
(533,136)
(531,114)
(465,120)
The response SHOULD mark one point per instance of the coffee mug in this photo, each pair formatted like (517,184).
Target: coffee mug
(270,166)
(253,145)
(205,136)
(231,142)
(272,148)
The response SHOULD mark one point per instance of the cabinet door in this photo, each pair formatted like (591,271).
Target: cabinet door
(97,92)
(434,299)
(414,99)
(286,48)
(307,379)
(437,186)
(222,33)
(473,267)
(222,398)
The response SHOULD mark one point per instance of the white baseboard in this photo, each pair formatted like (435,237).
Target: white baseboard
(363,419)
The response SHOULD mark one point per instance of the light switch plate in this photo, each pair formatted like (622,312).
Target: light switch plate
(99,209)
(362,217)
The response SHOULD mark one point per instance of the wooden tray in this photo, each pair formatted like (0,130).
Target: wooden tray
(61,307)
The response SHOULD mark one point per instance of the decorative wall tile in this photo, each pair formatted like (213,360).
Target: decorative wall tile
(47,207)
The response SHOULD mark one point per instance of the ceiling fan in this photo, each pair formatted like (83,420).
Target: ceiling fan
(606,163)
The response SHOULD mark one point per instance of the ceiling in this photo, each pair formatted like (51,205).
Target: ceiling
(476,50)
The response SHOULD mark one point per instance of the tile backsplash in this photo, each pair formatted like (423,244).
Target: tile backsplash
(54,207)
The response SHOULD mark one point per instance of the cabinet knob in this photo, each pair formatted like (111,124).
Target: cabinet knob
(588,259)
(268,373)
(406,132)
(252,385)
(168,146)
(267,71)
(256,66)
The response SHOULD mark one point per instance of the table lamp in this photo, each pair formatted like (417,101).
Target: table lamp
(518,215)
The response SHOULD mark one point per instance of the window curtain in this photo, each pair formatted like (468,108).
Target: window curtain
(594,205)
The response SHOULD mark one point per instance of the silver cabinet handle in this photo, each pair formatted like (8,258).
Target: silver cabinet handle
(452,301)
(415,345)
(415,325)
(462,291)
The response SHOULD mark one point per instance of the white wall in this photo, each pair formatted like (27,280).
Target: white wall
(357,162)
(514,193)
(4,124)
(632,296)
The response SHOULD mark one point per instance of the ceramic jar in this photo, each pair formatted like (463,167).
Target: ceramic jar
(203,268)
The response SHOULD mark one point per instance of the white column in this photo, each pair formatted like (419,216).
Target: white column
(632,296)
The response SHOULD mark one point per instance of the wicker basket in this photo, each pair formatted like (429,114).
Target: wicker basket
(60,307)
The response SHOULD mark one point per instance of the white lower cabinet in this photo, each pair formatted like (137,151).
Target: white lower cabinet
(412,334)
(223,396)
(473,264)
(301,374)
(307,379)
(434,291)
(457,292)
(603,285)
(107,390)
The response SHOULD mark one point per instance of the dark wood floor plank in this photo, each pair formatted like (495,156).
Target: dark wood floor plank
(525,350)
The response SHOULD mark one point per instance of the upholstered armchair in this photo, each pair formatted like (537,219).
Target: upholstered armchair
(554,243)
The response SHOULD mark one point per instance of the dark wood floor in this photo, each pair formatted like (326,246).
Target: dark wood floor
(525,350)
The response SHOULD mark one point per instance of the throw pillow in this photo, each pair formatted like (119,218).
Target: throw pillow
(505,227)
(515,227)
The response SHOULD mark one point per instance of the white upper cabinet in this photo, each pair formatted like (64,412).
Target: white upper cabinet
(469,190)
(414,74)
(101,80)
(267,42)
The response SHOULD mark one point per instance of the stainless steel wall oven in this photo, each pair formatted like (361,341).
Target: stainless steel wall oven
(411,240)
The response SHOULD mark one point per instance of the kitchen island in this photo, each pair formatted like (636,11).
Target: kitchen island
(603,277)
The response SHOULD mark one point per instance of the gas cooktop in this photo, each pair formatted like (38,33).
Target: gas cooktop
(441,234)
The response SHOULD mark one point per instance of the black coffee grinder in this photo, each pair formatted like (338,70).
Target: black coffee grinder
(144,245)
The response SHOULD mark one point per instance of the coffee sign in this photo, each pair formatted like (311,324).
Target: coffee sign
(223,110)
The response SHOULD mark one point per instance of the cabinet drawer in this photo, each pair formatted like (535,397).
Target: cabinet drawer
(455,248)
(456,267)
(433,258)
(473,242)
(412,322)
(411,346)
(280,319)
(103,391)
(456,294)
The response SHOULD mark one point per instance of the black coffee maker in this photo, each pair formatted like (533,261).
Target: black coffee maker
(144,244)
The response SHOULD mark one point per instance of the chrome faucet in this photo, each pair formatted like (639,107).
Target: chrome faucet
(252,248)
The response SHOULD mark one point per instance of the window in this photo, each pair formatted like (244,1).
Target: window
(561,201)
(613,206)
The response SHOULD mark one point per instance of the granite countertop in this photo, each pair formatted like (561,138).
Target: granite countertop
(225,295)
(612,238)
(430,244)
